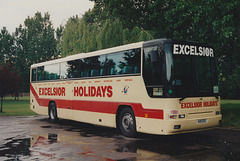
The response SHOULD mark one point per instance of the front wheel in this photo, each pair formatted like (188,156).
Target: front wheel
(127,122)
(53,112)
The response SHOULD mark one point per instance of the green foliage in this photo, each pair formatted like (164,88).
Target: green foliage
(138,35)
(116,22)
(110,34)
(208,21)
(70,42)
(59,40)
(230,85)
(6,46)
(9,81)
(230,113)
(35,42)
(36,37)
(131,13)
(81,37)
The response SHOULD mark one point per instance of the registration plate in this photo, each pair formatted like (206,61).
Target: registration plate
(202,121)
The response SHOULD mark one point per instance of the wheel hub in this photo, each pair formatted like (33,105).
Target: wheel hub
(127,122)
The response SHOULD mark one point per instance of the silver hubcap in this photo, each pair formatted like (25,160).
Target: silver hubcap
(127,122)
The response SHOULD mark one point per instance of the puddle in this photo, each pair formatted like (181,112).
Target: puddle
(69,140)
(59,147)
(184,147)
(13,149)
(34,148)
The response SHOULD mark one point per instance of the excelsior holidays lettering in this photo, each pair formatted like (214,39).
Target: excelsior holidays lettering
(199,104)
(192,50)
(92,91)
(55,91)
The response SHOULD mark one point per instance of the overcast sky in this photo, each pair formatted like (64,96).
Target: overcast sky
(14,12)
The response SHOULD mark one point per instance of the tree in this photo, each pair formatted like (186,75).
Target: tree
(208,21)
(6,46)
(110,35)
(216,23)
(59,39)
(35,42)
(131,13)
(9,80)
(80,36)
(71,37)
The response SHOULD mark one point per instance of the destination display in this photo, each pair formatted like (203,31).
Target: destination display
(182,49)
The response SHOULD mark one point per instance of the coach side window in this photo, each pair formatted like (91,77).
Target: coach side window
(124,62)
(113,63)
(93,66)
(64,70)
(73,69)
(85,67)
(34,74)
(97,66)
(52,72)
(40,73)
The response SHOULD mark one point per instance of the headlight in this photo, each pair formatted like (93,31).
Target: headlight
(181,116)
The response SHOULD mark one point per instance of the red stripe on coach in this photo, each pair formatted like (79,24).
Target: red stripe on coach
(99,106)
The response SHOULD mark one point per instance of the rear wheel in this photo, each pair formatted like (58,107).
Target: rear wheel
(53,112)
(127,122)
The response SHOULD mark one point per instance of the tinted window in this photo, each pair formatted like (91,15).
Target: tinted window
(125,62)
(153,66)
(64,70)
(52,72)
(97,66)
(153,71)
(34,74)
(190,74)
(74,69)
(204,74)
(40,73)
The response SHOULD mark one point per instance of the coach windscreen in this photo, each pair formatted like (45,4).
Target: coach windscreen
(190,70)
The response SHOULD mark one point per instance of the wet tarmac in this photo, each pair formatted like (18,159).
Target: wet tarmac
(35,138)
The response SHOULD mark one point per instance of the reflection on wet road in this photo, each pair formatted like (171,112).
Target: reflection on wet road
(34,138)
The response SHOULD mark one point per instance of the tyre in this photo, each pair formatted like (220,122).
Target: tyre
(53,112)
(127,122)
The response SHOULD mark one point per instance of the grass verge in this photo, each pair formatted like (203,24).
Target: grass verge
(230,113)
(16,108)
